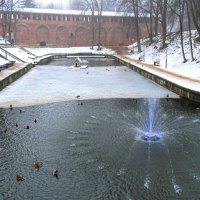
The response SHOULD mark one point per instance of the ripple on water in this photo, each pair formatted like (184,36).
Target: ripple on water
(97,151)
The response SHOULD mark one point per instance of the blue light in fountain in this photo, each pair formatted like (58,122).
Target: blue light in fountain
(149,135)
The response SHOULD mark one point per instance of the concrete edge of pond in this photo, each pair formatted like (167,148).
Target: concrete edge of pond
(15,75)
(183,92)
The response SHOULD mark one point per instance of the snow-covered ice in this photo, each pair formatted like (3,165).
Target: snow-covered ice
(47,83)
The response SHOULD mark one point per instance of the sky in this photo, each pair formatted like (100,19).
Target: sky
(64,3)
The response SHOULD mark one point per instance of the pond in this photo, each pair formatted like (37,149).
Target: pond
(56,82)
(95,140)
(97,148)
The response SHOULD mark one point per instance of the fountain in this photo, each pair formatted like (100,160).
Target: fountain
(149,134)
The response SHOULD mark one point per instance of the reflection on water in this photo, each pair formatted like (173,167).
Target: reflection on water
(91,62)
(98,151)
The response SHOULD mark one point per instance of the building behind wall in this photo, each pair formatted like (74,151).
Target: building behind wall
(73,28)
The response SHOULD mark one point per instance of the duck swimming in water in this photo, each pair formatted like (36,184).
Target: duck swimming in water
(19,178)
(55,172)
(37,165)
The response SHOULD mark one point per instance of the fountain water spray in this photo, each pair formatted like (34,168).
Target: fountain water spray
(149,134)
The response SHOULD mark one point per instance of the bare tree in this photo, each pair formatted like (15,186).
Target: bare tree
(190,34)
(90,5)
(99,6)
(8,20)
(133,6)
(178,7)
(96,7)
(195,8)
(2,2)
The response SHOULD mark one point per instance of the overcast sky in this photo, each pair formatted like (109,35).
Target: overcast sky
(65,3)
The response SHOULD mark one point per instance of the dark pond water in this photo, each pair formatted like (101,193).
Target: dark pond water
(91,62)
(98,151)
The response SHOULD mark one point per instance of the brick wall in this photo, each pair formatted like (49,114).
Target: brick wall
(73,30)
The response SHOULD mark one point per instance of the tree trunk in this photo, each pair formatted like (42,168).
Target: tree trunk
(164,23)
(190,34)
(181,16)
(151,23)
(195,8)
(93,28)
(100,7)
(156,18)
(136,20)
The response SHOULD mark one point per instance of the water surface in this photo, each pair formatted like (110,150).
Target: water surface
(97,148)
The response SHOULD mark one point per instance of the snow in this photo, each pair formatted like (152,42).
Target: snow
(74,12)
(3,41)
(98,83)
(6,72)
(174,55)
(82,67)
(44,52)
(3,61)
(21,54)
(49,83)
(70,50)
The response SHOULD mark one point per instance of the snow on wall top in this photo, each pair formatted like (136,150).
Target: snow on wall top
(77,12)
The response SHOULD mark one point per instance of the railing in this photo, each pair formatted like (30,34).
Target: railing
(11,55)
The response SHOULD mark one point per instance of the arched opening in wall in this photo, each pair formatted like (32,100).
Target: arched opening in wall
(42,35)
(22,34)
(117,37)
(82,37)
(62,36)
(103,37)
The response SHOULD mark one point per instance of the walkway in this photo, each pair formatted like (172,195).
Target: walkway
(184,81)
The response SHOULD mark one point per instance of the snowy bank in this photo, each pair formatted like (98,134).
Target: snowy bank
(71,50)
(173,54)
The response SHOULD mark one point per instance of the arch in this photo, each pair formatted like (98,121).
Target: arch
(82,37)
(117,37)
(22,34)
(42,34)
(61,35)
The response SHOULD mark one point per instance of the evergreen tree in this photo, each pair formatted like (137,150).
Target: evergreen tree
(28,3)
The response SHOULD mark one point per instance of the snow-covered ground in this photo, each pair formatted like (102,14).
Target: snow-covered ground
(46,50)
(47,83)
(174,54)
(27,91)
(41,52)
(3,61)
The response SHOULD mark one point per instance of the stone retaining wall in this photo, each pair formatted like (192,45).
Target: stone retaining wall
(14,76)
(181,91)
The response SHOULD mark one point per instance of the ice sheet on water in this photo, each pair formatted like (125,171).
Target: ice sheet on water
(47,84)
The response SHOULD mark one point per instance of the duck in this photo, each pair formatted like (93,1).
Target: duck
(35,121)
(21,111)
(6,130)
(37,165)
(27,127)
(16,125)
(11,107)
(19,178)
(78,96)
(55,172)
